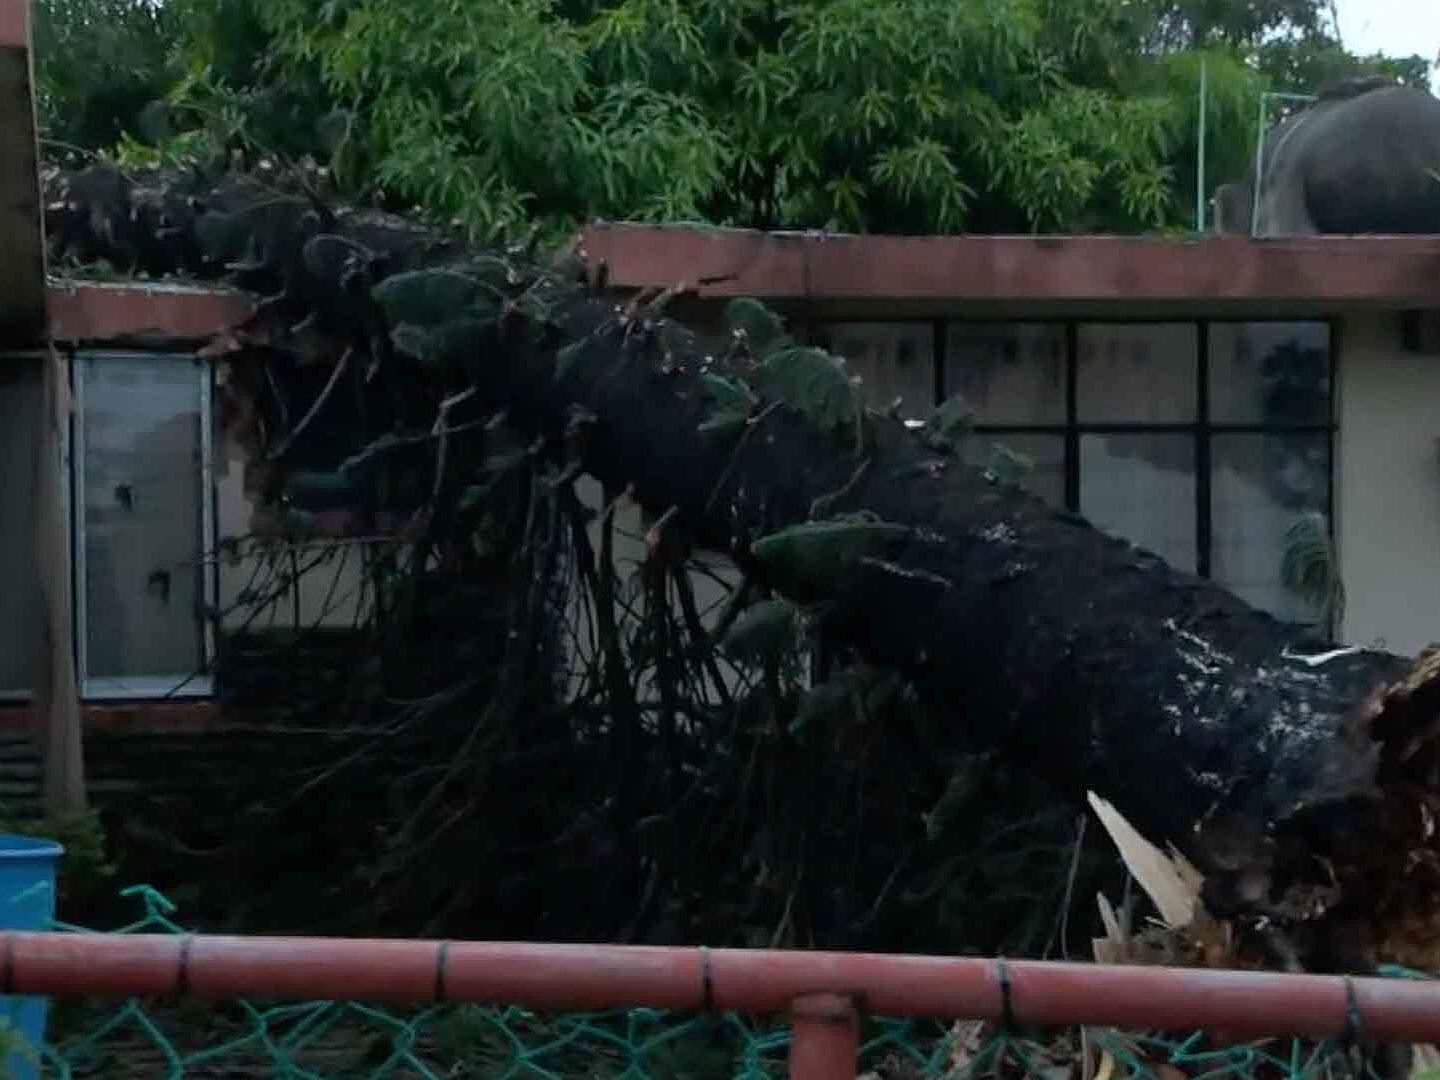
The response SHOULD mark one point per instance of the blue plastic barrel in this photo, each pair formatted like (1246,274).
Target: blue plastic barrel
(28,866)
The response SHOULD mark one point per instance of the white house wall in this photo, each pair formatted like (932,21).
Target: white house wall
(1388,487)
(712,580)
(330,595)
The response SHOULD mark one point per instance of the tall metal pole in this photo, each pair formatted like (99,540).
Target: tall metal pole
(1259,167)
(1200,159)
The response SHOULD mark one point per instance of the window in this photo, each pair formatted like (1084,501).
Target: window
(1270,405)
(1136,401)
(1270,374)
(1142,486)
(893,360)
(143,518)
(1014,375)
(1011,373)
(1200,441)
(1260,485)
(1137,373)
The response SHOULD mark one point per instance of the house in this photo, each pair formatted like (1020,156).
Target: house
(1196,396)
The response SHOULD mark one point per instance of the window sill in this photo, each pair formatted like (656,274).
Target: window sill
(146,688)
(136,716)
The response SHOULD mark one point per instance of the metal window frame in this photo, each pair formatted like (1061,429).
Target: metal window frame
(1202,427)
(143,687)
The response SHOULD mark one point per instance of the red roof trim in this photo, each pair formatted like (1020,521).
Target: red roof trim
(15,24)
(1372,270)
(96,313)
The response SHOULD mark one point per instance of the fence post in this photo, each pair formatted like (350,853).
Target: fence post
(824,1037)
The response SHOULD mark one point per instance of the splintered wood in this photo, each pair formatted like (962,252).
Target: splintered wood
(1185,933)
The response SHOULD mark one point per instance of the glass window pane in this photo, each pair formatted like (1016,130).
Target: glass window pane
(141,512)
(1270,373)
(1010,373)
(1260,486)
(893,360)
(1142,488)
(1141,373)
(22,398)
(1047,453)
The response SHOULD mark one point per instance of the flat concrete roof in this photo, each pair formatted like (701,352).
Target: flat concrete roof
(87,312)
(1321,273)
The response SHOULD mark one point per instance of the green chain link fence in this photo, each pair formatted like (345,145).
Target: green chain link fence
(326,1039)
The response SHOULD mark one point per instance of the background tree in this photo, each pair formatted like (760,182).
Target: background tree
(1303,65)
(1173,25)
(100,63)
(901,116)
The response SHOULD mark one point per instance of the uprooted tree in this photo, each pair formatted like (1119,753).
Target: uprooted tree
(973,632)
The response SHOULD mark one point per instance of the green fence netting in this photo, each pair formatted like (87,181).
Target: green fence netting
(324,1039)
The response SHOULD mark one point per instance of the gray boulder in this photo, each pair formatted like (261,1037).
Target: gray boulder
(1363,158)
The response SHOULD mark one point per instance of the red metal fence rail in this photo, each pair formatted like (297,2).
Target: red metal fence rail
(823,993)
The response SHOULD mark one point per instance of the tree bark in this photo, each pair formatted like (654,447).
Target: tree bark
(1305,789)
(1299,784)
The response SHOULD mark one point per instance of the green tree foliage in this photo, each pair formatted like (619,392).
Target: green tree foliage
(101,63)
(170,79)
(1294,44)
(866,115)
(230,95)
(1172,25)
(917,115)
(1302,66)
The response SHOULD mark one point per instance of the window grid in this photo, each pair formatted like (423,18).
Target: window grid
(1202,429)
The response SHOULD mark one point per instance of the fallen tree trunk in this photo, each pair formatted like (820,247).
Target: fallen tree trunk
(1300,786)
(1303,788)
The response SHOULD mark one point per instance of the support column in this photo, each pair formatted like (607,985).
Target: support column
(824,1038)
